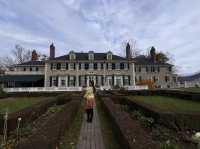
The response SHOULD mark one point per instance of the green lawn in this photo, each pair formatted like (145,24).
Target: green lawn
(169,103)
(191,89)
(15,104)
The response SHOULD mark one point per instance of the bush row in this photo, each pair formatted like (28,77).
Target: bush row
(31,113)
(177,121)
(171,93)
(35,94)
(47,137)
(27,114)
(129,132)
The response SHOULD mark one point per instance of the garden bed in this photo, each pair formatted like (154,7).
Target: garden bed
(51,128)
(129,132)
(164,125)
(27,114)
(169,93)
(177,118)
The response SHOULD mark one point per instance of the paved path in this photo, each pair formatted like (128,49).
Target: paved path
(90,135)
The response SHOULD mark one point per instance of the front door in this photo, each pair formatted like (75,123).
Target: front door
(91,78)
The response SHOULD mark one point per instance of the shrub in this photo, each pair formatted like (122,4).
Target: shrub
(2,93)
(168,145)
(147,122)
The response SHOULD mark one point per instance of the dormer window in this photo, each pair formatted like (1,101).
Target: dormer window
(109,55)
(91,55)
(72,55)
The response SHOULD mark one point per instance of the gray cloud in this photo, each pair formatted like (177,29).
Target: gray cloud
(82,25)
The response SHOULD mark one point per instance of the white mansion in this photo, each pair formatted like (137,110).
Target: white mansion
(76,69)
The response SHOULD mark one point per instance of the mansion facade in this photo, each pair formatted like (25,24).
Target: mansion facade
(77,69)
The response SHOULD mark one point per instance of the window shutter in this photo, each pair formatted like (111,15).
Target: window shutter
(67,66)
(50,81)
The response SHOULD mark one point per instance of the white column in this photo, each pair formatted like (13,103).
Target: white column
(104,73)
(77,76)
(66,81)
(115,81)
(122,81)
(46,79)
(132,68)
(59,81)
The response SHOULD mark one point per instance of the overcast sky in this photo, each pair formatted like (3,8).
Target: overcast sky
(171,26)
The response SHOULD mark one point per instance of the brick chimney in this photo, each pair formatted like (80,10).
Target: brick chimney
(128,51)
(52,51)
(34,56)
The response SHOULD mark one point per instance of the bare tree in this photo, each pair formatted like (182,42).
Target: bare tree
(21,55)
(18,55)
(133,46)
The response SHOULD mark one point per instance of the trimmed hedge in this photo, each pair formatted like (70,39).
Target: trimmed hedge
(171,93)
(38,94)
(31,113)
(47,137)
(130,134)
(27,114)
(177,121)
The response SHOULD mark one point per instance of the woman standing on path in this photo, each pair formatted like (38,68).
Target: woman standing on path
(89,96)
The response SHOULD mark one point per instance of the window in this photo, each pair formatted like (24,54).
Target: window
(72,55)
(95,66)
(82,81)
(91,55)
(63,82)
(109,66)
(126,80)
(140,78)
(152,69)
(36,69)
(86,66)
(63,66)
(79,66)
(126,66)
(91,66)
(109,55)
(139,69)
(72,81)
(113,66)
(154,79)
(158,69)
(82,66)
(170,69)
(117,66)
(72,66)
(102,67)
(55,81)
(67,66)
(121,65)
(24,69)
(53,66)
(58,66)
(166,78)
(147,69)
(31,69)
(174,79)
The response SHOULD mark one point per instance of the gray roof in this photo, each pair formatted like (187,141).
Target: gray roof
(190,77)
(38,63)
(143,60)
(84,56)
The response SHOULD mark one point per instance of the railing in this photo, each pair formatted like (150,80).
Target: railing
(42,89)
(24,72)
(57,89)
(137,87)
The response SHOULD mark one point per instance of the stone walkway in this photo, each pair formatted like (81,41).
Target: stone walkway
(90,135)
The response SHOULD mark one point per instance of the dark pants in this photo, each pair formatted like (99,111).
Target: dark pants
(89,114)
